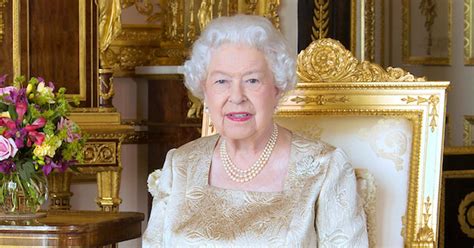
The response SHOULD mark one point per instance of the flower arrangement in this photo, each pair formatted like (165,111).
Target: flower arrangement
(36,137)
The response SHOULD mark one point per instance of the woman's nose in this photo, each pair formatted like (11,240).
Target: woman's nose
(237,94)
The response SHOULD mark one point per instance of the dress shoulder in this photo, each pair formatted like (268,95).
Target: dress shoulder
(199,145)
(313,146)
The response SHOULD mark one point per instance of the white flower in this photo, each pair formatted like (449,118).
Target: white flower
(45,91)
(153,180)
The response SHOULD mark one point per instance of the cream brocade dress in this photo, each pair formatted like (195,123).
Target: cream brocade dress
(318,207)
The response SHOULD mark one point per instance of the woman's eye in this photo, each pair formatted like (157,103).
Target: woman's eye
(220,81)
(252,81)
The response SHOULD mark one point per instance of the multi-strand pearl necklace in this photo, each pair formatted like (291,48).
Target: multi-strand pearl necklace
(241,176)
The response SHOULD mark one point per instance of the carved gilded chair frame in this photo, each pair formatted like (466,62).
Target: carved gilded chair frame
(468,127)
(426,59)
(360,89)
(353,88)
(468,33)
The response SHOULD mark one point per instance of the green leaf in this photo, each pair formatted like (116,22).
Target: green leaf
(12,112)
(3,107)
(27,170)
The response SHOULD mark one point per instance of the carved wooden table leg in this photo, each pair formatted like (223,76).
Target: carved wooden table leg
(108,186)
(60,190)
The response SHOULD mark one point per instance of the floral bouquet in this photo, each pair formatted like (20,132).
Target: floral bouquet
(36,137)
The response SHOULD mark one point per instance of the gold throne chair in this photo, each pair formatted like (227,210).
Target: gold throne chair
(389,122)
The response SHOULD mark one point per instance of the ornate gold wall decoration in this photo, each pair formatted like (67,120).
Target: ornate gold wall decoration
(2,21)
(173,17)
(320,99)
(327,60)
(220,8)
(233,7)
(251,6)
(369,35)
(320,19)
(146,8)
(433,102)
(466,215)
(428,9)
(191,35)
(100,153)
(105,89)
(468,33)
(272,12)
(168,40)
(442,54)
(109,22)
(204,14)
(467,134)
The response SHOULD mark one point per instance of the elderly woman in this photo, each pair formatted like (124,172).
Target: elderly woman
(254,183)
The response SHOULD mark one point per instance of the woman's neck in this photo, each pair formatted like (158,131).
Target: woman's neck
(250,147)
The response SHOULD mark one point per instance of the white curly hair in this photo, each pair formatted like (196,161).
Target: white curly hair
(255,31)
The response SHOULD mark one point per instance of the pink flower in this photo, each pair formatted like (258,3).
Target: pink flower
(7,148)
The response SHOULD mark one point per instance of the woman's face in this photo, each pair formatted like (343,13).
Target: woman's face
(240,92)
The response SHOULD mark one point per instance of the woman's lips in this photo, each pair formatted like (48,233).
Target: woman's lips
(238,116)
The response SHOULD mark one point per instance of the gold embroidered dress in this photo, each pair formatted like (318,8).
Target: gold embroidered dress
(318,207)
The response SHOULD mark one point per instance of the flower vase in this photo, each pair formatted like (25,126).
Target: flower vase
(22,199)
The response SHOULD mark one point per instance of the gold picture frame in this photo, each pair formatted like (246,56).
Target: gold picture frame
(368,30)
(468,33)
(428,47)
(468,135)
(457,214)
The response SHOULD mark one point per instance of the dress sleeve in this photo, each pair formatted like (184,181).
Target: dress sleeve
(159,186)
(340,218)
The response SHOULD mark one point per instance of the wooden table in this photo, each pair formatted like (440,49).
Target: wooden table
(71,229)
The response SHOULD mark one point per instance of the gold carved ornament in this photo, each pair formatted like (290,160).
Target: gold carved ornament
(100,153)
(428,9)
(109,22)
(320,99)
(467,132)
(468,58)
(432,102)
(2,22)
(466,215)
(204,14)
(320,19)
(326,60)
(251,6)
(110,85)
(369,36)
(425,233)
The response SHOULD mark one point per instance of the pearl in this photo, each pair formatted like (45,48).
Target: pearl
(238,175)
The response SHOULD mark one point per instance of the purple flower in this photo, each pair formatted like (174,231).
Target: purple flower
(7,90)
(61,165)
(66,123)
(7,166)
